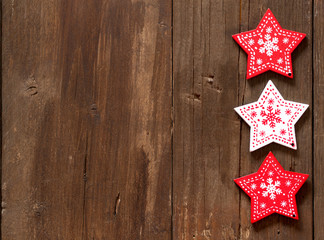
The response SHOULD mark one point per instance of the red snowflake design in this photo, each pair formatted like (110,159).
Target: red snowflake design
(272,117)
(283,132)
(271,101)
(288,111)
(253,114)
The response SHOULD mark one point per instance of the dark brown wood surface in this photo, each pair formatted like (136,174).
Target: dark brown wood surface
(318,119)
(87,102)
(118,120)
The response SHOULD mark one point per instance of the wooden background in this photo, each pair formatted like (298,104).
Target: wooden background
(118,120)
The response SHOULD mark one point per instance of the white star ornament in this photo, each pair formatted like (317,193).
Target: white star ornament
(272,119)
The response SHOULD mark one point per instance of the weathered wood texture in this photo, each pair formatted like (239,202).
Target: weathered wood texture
(87,96)
(97,143)
(207,131)
(211,142)
(318,166)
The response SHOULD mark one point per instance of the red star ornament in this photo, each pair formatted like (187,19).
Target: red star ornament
(272,189)
(269,47)
(272,119)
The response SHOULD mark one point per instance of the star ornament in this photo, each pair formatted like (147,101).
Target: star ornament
(272,119)
(269,47)
(272,189)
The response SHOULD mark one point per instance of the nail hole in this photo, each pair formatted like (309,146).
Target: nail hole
(197,96)
(289,74)
(292,144)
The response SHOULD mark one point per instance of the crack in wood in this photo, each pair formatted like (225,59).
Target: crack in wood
(117,203)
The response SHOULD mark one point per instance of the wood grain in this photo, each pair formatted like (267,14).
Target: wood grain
(211,145)
(87,100)
(118,120)
(128,188)
(318,167)
(206,131)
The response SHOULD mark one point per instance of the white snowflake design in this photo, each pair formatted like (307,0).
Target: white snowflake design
(269,46)
(280,60)
(259,61)
(270,173)
(283,203)
(271,190)
(253,186)
(263,205)
(251,42)
(285,40)
(288,183)
(269,29)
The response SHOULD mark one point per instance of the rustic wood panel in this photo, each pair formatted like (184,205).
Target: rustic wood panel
(44,123)
(118,120)
(206,129)
(87,100)
(128,188)
(211,143)
(318,171)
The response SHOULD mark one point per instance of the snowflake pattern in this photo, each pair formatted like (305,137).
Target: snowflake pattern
(288,112)
(262,133)
(288,183)
(283,132)
(271,117)
(271,190)
(266,44)
(270,194)
(271,101)
(269,45)
(253,114)
(251,42)
(270,173)
(283,203)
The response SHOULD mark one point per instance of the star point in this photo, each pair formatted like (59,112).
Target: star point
(272,194)
(272,119)
(269,47)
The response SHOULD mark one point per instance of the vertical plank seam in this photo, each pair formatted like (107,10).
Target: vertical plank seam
(192,141)
(84,189)
(172,121)
(1,121)
(240,140)
(202,104)
(241,121)
(313,124)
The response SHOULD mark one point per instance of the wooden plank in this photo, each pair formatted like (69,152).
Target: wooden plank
(318,58)
(44,122)
(295,16)
(206,131)
(86,119)
(128,188)
(206,203)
